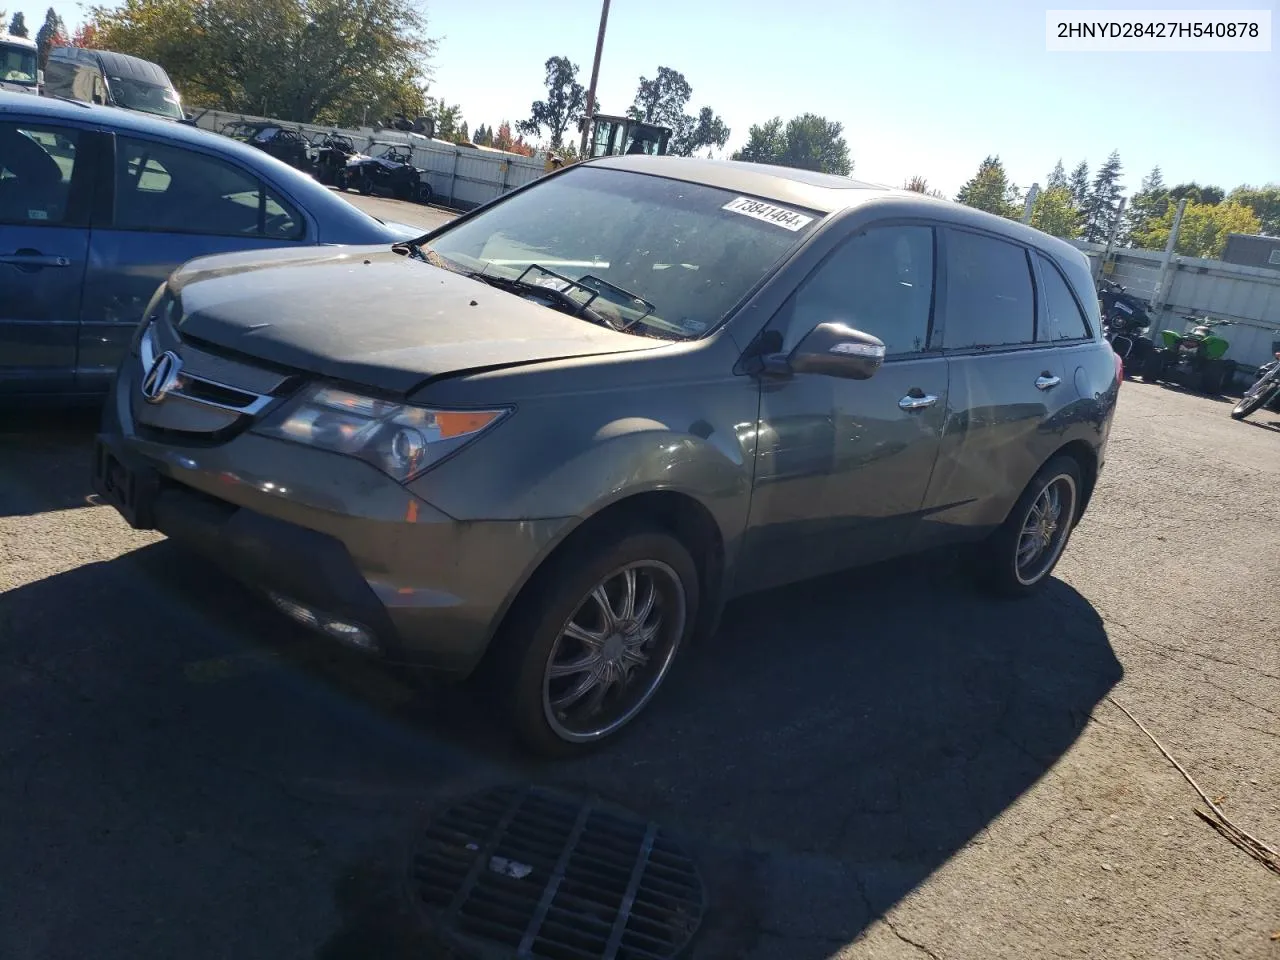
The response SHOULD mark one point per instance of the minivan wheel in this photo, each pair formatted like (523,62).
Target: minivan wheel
(597,641)
(1028,545)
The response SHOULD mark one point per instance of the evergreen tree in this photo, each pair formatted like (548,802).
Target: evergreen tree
(989,189)
(1079,184)
(1057,177)
(1147,206)
(1103,203)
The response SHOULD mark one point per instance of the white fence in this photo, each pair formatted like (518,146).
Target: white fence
(1249,297)
(460,177)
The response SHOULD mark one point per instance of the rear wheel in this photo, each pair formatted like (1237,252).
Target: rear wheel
(584,656)
(1023,552)
(1153,366)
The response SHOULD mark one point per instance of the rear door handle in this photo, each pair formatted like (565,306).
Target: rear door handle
(917,403)
(33,259)
(1047,382)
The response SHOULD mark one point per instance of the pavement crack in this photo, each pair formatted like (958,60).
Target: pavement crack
(908,940)
(1191,653)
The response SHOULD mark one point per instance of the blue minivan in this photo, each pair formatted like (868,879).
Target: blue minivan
(99,205)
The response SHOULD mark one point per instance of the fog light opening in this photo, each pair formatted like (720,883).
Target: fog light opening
(295,611)
(352,634)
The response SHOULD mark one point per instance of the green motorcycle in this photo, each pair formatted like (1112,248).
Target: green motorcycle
(1195,360)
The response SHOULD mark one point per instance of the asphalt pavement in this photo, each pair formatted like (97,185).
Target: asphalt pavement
(883,764)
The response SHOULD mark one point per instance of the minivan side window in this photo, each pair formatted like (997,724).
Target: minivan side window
(37,163)
(168,189)
(1061,311)
(990,300)
(879,282)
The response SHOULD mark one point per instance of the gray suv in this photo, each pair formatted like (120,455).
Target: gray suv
(553,437)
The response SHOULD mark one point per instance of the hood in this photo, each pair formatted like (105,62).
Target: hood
(373,317)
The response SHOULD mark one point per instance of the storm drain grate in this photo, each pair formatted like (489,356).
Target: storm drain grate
(530,872)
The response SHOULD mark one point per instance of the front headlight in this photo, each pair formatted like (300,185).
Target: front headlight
(399,439)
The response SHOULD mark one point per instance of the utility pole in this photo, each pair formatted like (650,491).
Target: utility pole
(1166,267)
(1030,202)
(595,75)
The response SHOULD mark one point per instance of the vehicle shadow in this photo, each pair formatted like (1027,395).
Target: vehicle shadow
(827,750)
(45,459)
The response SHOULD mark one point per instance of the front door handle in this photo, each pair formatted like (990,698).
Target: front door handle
(1047,382)
(33,259)
(917,403)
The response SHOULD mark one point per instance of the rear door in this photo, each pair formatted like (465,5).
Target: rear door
(1007,383)
(842,466)
(46,192)
(170,205)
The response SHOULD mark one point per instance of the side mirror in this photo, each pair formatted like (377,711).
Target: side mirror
(837,350)
(40,78)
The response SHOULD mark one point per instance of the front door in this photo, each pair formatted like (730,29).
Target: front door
(842,466)
(46,188)
(172,204)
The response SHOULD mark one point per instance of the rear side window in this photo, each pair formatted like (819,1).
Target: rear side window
(990,300)
(168,189)
(1061,311)
(37,164)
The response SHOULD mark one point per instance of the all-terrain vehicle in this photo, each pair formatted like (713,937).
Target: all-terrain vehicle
(282,143)
(1125,321)
(331,153)
(1195,360)
(389,173)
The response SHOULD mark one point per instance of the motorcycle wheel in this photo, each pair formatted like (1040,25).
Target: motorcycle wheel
(1248,405)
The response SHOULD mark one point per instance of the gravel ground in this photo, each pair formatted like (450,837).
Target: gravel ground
(184,774)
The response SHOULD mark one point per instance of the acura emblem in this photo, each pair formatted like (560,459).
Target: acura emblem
(162,377)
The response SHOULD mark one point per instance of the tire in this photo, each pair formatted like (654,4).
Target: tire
(425,193)
(1152,366)
(1003,573)
(1211,377)
(1247,405)
(365,187)
(533,635)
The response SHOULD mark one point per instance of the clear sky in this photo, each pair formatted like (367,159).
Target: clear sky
(924,87)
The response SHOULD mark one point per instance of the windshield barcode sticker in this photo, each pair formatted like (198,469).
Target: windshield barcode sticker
(779,216)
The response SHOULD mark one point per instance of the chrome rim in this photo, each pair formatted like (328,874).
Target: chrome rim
(613,651)
(1045,529)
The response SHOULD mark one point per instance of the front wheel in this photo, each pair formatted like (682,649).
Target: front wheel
(1028,545)
(586,654)
(1153,366)
(1252,400)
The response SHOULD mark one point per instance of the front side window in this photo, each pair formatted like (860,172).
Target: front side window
(36,168)
(168,189)
(18,65)
(990,299)
(1062,313)
(879,282)
(688,252)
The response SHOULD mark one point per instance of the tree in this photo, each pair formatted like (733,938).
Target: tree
(1079,184)
(1100,208)
(1194,193)
(464,136)
(50,35)
(564,106)
(1054,212)
(708,131)
(663,100)
(328,61)
(503,140)
(86,35)
(18,25)
(1146,206)
(1204,228)
(1264,202)
(919,184)
(989,189)
(1057,177)
(808,142)
(448,119)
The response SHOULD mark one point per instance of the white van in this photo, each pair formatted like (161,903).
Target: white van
(19,68)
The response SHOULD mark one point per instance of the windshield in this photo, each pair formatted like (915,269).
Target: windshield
(18,65)
(146,97)
(690,251)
